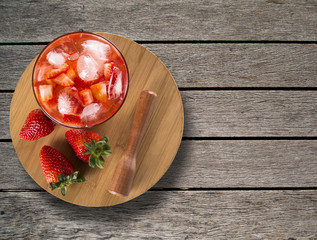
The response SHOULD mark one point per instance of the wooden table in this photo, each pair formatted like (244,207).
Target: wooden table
(247,165)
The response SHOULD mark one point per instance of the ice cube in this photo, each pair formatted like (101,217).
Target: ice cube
(41,72)
(66,102)
(91,112)
(96,49)
(73,56)
(117,88)
(115,84)
(88,69)
(68,48)
(55,58)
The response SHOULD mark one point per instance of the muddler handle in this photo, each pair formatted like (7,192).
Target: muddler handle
(124,173)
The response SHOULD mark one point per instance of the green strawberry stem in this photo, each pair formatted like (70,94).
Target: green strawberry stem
(97,151)
(66,180)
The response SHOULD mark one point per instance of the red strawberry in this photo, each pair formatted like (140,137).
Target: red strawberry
(36,125)
(58,170)
(86,148)
(54,163)
(107,68)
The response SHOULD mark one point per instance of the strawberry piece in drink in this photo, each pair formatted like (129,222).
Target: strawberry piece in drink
(63,80)
(42,72)
(86,96)
(56,71)
(71,74)
(107,70)
(72,119)
(99,91)
(46,92)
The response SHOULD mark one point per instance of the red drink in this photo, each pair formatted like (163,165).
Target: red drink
(80,80)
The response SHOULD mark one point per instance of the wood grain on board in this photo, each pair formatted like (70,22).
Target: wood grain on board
(165,129)
(205,65)
(38,21)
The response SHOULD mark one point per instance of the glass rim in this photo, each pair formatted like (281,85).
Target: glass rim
(47,46)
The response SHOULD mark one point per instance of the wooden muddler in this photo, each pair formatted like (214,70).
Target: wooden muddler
(124,173)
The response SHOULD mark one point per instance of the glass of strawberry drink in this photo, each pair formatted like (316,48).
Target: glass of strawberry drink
(80,80)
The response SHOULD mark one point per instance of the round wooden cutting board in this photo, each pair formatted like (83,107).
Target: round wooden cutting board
(158,147)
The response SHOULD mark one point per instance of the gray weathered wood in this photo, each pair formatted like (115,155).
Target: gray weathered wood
(250,113)
(14,60)
(240,65)
(233,113)
(161,20)
(5,102)
(243,164)
(164,215)
(212,164)
(183,204)
(205,65)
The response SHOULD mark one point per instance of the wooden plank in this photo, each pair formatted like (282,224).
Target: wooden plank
(165,215)
(13,175)
(233,113)
(14,60)
(204,65)
(240,65)
(243,164)
(250,113)
(212,164)
(5,102)
(36,21)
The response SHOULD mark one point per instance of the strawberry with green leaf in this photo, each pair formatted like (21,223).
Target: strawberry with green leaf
(88,146)
(58,170)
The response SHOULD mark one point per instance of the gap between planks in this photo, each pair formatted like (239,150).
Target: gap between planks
(294,138)
(185,42)
(184,89)
(196,189)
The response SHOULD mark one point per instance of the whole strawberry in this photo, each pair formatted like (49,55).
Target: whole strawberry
(88,146)
(36,125)
(58,170)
